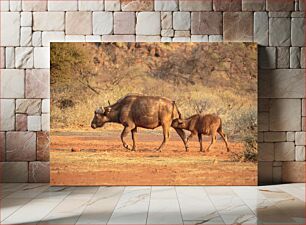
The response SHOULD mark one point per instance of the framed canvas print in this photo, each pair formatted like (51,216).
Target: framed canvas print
(153,114)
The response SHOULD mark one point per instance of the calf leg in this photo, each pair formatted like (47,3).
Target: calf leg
(213,140)
(134,131)
(200,141)
(224,139)
(124,133)
(190,136)
(166,133)
(182,135)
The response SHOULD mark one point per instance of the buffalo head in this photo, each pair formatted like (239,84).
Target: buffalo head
(100,117)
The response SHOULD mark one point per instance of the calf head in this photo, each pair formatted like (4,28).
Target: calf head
(100,117)
(178,123)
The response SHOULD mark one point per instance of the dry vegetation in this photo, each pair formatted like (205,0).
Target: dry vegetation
(211,78)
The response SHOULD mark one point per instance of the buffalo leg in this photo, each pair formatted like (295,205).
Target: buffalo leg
(182,135)
(134,131)
(124,133)
(200,141)
(166,133)
(224,139)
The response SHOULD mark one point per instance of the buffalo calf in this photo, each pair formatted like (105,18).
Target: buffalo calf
(201,124)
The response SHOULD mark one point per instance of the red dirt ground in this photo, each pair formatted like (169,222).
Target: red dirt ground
(99,159)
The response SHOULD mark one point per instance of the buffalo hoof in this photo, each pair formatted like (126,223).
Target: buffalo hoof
(127,147)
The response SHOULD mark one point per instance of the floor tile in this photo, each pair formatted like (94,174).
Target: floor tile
(209,219)
(9,206)
(39,203)
(82,192)
(100,208)
(69,210)
(132,207)
(9,188)
(32,212)
(245,192)
(164,207)
(51,194)
(29,191)
(297,190)
(195,204)
(273,215)
(163,192)
(230,207)
(294,208)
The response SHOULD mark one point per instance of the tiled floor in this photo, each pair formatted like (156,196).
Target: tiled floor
(41,204)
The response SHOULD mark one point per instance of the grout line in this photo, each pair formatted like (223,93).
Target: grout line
(55,207)
(178,201)
(88,201)
(254,212)
(6,197)
(27,203)
(124,187)
(217,211)
(3,219)
(149,205)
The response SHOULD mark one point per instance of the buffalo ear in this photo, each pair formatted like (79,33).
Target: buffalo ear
(107,110)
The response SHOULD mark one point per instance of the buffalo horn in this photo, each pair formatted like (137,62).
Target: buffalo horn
(99,110)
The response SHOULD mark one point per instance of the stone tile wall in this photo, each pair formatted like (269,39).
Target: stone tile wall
(28,27)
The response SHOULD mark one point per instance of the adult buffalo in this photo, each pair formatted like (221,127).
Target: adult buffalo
(134,111)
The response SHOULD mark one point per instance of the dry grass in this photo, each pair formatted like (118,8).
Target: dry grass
(235,111)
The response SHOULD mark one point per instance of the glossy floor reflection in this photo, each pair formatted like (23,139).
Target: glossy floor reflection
(41,204)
